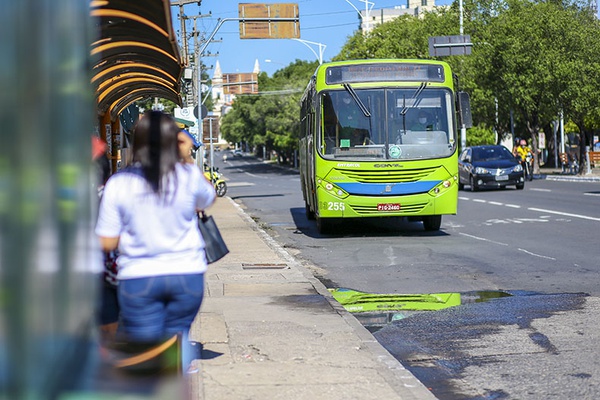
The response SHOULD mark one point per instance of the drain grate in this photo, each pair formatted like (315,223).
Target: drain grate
(264,266)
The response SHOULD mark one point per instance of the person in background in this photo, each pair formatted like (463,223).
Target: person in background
(108,310)
(148,211)
(187,146)
(101,162)
(422,123)
(522,150)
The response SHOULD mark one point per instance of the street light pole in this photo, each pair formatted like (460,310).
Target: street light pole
(367,17)
(460,8)
(307,43)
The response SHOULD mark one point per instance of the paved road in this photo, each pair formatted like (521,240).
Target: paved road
(539,244)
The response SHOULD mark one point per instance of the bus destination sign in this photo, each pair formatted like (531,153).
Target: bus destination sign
(384,72)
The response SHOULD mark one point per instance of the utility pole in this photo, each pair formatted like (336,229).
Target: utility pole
(186,59)
(197,55)
(182,19)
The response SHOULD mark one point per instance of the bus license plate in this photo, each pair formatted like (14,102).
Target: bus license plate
(388,207)
(502,178)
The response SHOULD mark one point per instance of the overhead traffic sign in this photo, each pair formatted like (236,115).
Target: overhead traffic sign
(456,45)
(269,21)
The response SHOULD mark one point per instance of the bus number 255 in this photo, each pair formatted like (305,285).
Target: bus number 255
(335,206)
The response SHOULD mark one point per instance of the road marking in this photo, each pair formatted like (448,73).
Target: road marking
(482,239)
(252,175)
(504,244)
(495,203)
(537,255)
(540,190)
(239,184)
(564,213)
(389,252)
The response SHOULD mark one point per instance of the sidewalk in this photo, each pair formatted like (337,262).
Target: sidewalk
(556,174)
(270,330)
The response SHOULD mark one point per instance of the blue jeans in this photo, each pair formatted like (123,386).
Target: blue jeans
(156,308)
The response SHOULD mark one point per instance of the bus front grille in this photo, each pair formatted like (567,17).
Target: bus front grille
(404,209)
(389,176)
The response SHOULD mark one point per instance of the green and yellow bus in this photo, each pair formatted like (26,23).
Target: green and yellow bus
(378,138)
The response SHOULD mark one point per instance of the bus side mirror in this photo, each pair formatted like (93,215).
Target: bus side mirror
(465,109)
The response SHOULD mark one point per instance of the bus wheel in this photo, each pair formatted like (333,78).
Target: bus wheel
(432,222)
(309,213)
(324,225)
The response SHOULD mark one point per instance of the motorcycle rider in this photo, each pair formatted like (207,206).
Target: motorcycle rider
(523,150)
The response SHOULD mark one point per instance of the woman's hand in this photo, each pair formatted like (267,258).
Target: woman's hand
(109,243)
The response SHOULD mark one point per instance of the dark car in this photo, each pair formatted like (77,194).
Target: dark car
(489,166)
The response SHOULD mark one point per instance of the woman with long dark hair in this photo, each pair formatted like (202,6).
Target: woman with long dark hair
(149,211)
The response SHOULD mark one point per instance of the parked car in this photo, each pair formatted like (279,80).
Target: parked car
(237,153)
(489,166)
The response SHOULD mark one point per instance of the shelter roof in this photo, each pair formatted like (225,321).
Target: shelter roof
(136,55)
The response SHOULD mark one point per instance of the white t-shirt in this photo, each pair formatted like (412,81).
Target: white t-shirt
(157,236)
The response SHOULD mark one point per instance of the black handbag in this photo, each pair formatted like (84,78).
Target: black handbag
(215,246)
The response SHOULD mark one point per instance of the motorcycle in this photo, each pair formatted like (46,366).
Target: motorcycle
(217,181)
(528,166)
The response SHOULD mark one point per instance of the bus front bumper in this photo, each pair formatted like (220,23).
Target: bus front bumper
(434,202)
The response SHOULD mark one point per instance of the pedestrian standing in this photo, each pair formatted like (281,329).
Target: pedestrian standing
(148,211)
(108,308)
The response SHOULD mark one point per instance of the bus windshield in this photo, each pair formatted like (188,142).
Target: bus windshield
(387,123)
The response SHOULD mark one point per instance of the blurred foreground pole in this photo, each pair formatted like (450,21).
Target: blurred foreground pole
(47,287)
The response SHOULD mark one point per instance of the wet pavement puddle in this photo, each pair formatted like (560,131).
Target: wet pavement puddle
(435,345)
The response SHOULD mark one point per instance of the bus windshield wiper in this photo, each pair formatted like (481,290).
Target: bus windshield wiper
(414,96)
(360,104)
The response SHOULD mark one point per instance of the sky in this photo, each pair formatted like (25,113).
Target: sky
(329,22)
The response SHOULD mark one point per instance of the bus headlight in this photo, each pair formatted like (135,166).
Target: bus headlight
(333,189)
(441,187)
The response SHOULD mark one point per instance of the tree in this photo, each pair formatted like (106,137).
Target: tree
(404,37)
(271,118)
(579,74)
(524,59)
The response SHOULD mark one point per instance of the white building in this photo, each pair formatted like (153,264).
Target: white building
(379,16)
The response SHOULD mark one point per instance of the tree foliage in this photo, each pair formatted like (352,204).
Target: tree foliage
(537,58)
(269,121)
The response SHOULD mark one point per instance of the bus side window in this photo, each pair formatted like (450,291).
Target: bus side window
(330,125)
